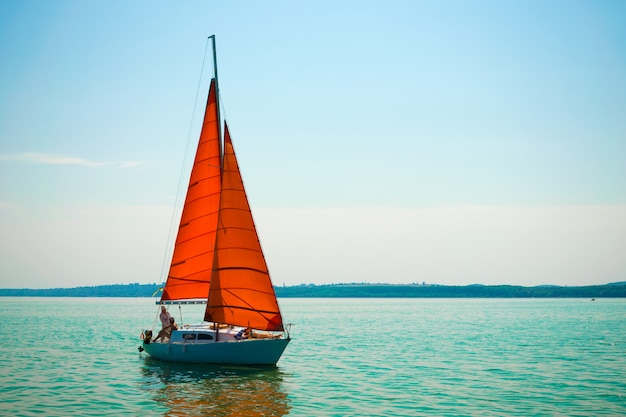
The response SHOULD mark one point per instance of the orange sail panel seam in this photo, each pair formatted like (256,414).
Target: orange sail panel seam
(246,308)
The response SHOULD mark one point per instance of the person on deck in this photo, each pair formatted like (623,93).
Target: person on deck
(243,334)
(164,317)
(166,333)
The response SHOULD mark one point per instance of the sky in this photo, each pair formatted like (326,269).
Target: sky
(446,142)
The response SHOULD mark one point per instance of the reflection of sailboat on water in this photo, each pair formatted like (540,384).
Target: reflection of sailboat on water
(218,260)
(199,390)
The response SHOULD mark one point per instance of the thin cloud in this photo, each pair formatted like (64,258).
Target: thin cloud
(52,159)
(131,164)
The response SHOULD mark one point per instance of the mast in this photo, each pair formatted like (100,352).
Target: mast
(217,96)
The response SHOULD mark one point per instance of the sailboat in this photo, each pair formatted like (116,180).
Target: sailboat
(218,260)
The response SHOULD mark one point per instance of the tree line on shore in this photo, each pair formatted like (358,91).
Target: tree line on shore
(355,290)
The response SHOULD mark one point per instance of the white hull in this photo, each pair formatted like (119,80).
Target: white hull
(226,352)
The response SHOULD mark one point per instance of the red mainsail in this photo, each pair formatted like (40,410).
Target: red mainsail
(190,272)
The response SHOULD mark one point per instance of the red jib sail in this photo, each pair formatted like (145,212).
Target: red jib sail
(241,291)
(190,272)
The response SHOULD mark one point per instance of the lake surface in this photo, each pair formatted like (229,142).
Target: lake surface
(348,357)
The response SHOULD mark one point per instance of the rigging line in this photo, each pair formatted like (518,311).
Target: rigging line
(223,111)
(170,241)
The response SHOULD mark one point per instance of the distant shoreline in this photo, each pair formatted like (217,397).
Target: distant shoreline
(353,290)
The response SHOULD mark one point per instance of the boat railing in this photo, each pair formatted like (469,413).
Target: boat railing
(287,329)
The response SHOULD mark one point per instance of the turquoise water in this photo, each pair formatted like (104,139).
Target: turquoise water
(349,357)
